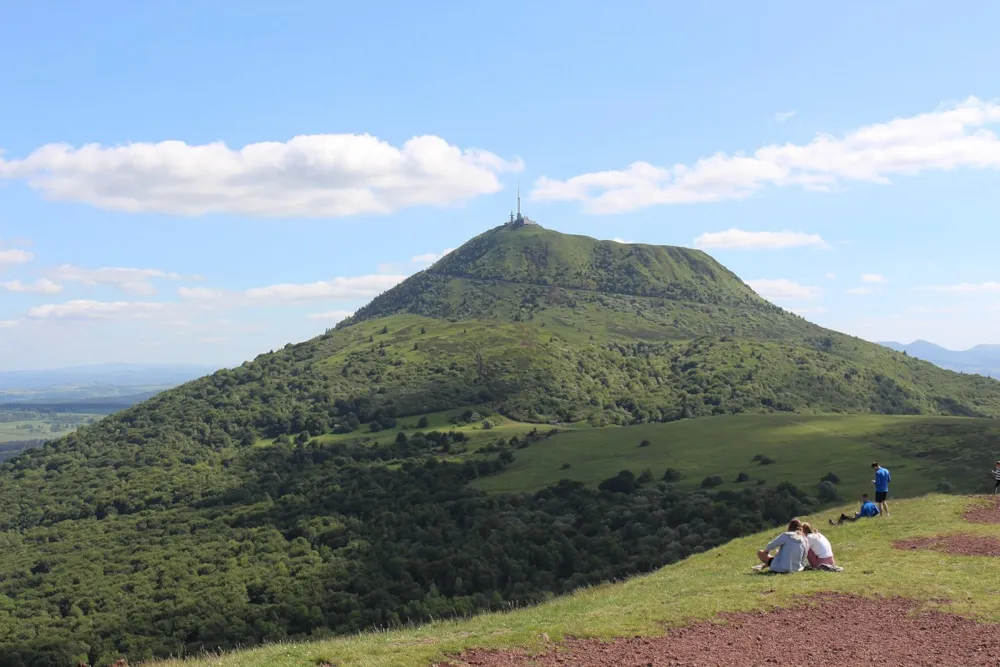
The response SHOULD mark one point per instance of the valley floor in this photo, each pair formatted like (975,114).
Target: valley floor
(715,582)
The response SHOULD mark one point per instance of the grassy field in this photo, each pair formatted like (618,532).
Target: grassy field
(697,588)
(803,447)
(40,428)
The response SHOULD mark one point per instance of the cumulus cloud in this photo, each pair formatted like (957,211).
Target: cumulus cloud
(989,287)
(782,116)
(430,257)
(13,256)
(337,288)
(859,290)
(331,315)
(319,175)
(40,286)
(133,281)
(738,239)
(950,138)
(82,309)
(873,278)
(783,289)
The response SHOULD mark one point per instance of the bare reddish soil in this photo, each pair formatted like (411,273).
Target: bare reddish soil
(984,513)
(962,545)
(835,630)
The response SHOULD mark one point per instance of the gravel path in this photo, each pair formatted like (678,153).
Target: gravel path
(984,513)
(839,630)
(962,545)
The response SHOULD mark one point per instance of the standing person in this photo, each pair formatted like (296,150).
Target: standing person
(996,477)
(868,510)
(791,546)
(881,482)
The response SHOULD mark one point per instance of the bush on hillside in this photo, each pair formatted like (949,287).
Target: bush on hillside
(672,475)
(742,477)
(623,482)
(644,443)
(766,460)
(710,481)
(646,476)
(828,492)
(944,486)
(830,477)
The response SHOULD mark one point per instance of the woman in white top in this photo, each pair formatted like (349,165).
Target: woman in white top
(820,552)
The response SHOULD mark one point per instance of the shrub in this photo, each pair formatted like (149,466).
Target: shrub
(742,477)
(766,460)
(488,424)
(828,492)
(422,423)
(672,475)
(944,486)
(646,476)
(644,443)
(761,482)
(623,482)
(710,481)
(401,437)
(830,477)
(565,466)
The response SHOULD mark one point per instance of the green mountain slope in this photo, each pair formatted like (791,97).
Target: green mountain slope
(702,586)
(300,494)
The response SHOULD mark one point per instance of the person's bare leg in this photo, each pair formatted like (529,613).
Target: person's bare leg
(885,509)
(764,556)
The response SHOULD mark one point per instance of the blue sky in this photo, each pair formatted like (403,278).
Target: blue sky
(201,182)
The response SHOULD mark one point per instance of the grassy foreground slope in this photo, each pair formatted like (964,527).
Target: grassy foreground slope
(701,586)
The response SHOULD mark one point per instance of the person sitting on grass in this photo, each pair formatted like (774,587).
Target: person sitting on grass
(868,510)
(791,546)
(820,552)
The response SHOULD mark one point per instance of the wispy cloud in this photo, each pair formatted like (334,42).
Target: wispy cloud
(944,140)
(82,309)
(336,288)
(430,257)
(857,291)
(13,256)
(331,315)
(40,286)
(133,281)
(989,287)
(8,324)
(782,116)
(831,276)
(319,175)
(783,289)
(738,239)
(873,278)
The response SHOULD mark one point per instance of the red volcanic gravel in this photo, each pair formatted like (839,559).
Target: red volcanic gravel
(984,513)
(962,545)
(838,630)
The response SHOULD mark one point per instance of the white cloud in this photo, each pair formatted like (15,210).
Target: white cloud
(873,278)
(813,310)
(965,288)
(831,276)
(781,288)
(133,281)
(944,140)
(431,257)
(40,286)
(200,293)
(337,288)
(319,175)
(737,239)
(859,290)
(82,309)
(15,256)
(931,310)
(618,239)
(8,324)
(332,315)
(782,116)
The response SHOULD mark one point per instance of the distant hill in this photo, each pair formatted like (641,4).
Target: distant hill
(103,381)
(328,487)
(981,359)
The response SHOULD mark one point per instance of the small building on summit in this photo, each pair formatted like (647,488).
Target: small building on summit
(520,220)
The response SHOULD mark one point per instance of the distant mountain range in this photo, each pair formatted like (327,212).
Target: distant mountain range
(102,381)
(981,359)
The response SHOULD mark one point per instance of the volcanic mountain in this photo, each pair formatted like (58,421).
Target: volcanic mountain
(301,492)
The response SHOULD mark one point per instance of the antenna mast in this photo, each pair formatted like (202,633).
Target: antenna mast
(518,198)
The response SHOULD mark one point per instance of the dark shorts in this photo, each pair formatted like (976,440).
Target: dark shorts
(880,496)
(997,485)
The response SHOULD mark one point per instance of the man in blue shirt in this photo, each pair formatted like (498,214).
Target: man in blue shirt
(868,509)
(881,482)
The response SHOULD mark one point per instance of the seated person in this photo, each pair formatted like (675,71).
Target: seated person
(868,510)
(791,546)
(820,552)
